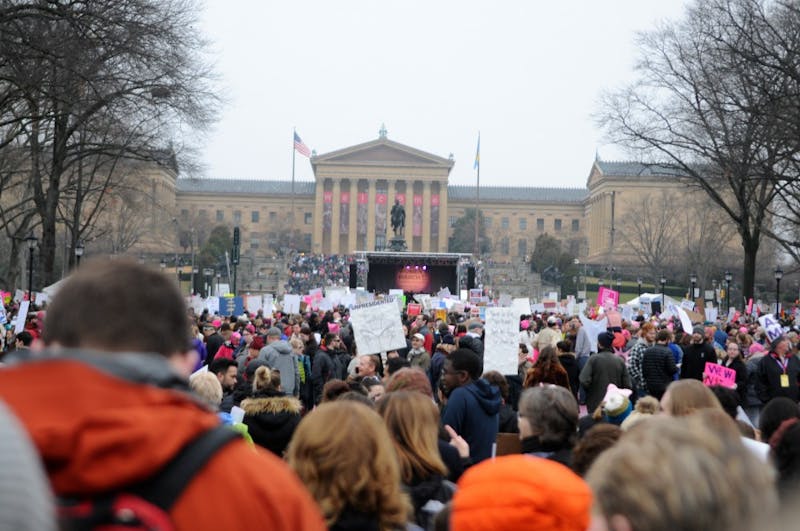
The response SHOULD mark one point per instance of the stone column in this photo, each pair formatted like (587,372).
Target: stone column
(337,203)
(443,215)
(353,230)
(371,215)
(316,234)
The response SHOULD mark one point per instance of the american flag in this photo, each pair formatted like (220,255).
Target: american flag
(301,147)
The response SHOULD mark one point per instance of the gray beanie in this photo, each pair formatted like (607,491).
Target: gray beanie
(699,330)
(274,331)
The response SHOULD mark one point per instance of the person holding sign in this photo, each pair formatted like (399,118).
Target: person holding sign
(733,360)
(778,372)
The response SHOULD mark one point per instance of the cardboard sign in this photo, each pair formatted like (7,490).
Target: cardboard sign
(715,374)
(377,327)
(441,314)
(607,298)
(771,326)
(413,309)
(502,340)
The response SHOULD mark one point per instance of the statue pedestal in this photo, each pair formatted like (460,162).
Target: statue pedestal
(397,243)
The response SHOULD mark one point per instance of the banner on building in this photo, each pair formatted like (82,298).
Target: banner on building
(361,215)
(417,216)
(435,216)
(344,213)
(380,213)
(327,211)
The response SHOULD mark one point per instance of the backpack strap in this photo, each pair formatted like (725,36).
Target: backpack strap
(166,486)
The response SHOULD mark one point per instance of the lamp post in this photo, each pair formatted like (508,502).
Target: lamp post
(728,278)
(194,272)
(778,277)
(32,242)
(219,275)
(78,253)
(639,285)
(693,282)
(208,273)
(663,286)
(163,264)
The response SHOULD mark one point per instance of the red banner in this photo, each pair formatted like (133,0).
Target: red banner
(327,197)
(344,213)
(401,198)
(361,214)
(363,198)
(416,215)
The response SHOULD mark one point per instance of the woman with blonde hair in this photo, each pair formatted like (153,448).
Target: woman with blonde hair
(413,422)
(343,453)
(684,397)
(271,416)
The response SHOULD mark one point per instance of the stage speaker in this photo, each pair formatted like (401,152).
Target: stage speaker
(470,277)
(353,276)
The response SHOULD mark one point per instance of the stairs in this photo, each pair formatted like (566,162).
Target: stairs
(514,278)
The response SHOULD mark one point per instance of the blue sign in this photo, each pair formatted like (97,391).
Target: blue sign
(231,305)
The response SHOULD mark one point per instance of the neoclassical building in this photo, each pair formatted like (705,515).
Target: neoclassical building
(347,208)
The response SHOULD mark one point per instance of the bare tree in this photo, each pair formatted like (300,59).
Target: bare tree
(649,231)
(90,83)
(706,104)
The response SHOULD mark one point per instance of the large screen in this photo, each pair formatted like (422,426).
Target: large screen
(416,278)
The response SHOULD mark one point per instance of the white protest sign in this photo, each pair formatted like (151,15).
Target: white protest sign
(349,300)
(504,300)
(593,328)
(197,304)
(627,312)
(291,303)
(771,326)
(21,316)
(646,308)
(268,305)
(253,303)
(377,327)
(335,295)
(538,307)
(686,323)
(444,293)
(553,295)
(41,298)
(3,316)
(502,340)
(521,306)
(711,314)
(325,304)
(463,294)
(212,304)
(731,313)
(396,292)
(687,305)
(201,370)
(19,295)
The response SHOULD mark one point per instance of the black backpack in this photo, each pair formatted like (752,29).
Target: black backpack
(145,506)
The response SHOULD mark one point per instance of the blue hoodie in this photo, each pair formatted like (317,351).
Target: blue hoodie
(472,412)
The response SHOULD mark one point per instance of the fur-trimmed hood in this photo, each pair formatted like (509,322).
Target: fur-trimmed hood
(272,404)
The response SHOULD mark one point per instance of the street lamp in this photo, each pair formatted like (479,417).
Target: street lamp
(778,277)
(78,253)
(163,264)
(639,284)
(208,273)
(32,242)
(728,278)
(219,275)
(663,286)
(693,280)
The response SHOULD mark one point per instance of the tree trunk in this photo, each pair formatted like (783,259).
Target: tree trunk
(750,245)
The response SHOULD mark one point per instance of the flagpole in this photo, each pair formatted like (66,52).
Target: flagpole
(291,237)
(476,247)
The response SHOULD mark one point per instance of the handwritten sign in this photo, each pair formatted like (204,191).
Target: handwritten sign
(771,326)
(413,309)
(607,298)
(21,316)
(291,303)
(687,305)
(377,327)
(502,340)
(715,374)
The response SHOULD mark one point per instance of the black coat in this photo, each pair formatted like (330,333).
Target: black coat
(694,360)
(658,369)
(271,419)
(741,378)
(768,381)
(570,364)
(559,453)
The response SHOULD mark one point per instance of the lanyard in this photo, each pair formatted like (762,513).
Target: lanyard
(782,364)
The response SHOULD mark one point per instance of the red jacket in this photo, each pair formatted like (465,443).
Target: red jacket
(98,432)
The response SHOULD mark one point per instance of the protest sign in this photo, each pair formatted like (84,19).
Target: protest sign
(521,306)
(268,305)
(593,328)
(3,316)
(231,305)
(711,314)
(444,293)
(686,322)
(627,312)
(413,309)
(475,296)
(325,304)
(502,340)
(291,303)
(441,313)
(607,298)
(687,305)
(715,374)
(253,303)
(212,304)
(377,327)
(21,316)
(771,326)
(504,300)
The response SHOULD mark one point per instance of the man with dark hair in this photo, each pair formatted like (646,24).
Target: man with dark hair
(213,339)
(133,413)
(472,404)
(602,369)
(322,368)
(226,371)
(658,365)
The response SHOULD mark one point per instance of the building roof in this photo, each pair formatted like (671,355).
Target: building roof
(244,186)
(627,168)
(517,193)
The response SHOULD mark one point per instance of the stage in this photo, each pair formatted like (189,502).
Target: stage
(414,272)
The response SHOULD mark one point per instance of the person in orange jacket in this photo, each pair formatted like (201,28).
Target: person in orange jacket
(107,405)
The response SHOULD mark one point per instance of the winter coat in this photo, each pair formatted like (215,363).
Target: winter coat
(271,419)
(741,377)
(428,497)
(634,363)
(132,416)
(279,355)
(695,357)
(322,370)
(602,369)
(472,412)
(570,364)
(658,369)
(560,453)
(768,381)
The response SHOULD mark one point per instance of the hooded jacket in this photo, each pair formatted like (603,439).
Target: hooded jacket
(279,355)
(271,419)
(102,422)
(472,411)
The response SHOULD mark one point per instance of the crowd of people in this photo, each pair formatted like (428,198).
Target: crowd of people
(311,271)
(120,382)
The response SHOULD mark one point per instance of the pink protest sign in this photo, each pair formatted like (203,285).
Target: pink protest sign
(607,298)
(715,374)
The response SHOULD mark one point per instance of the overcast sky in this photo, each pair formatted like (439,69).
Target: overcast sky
(526,74)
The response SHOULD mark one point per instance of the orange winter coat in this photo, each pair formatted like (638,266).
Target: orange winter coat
(98,432)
